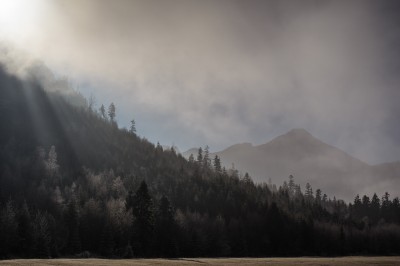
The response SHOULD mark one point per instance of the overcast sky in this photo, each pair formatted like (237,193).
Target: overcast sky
(223,72)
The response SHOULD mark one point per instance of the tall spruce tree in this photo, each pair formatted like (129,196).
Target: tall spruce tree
(143,223)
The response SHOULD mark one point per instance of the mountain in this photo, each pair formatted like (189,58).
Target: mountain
(308,159)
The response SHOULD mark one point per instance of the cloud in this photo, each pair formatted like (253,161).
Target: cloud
(221,72)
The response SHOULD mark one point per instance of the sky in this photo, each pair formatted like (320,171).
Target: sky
(216,73)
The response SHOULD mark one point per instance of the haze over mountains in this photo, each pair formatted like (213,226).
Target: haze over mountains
(308,159)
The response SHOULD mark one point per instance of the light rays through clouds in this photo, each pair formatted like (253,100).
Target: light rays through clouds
(221,72)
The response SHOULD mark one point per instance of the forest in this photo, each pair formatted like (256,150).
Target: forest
(74,184)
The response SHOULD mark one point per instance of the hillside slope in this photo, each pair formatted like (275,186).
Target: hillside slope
(310,160)
(73,184)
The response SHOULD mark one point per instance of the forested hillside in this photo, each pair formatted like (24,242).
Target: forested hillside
(73,184)
(312,161)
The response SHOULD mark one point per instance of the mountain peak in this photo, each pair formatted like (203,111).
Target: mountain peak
(299,132)
(297,135)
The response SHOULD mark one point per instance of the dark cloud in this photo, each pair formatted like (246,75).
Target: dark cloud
(221,72)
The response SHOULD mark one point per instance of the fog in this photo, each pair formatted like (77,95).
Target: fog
(221,72)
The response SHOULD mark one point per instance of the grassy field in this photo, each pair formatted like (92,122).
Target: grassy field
(350,261)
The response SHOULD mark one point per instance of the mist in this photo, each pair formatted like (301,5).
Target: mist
(221,72)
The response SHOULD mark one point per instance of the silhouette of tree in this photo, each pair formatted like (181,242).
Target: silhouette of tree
(111,112)
(217,164)
(133,127)
(103,112)
(143,224)
(166,229)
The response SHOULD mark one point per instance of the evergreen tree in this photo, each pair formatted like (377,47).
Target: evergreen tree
(41,235)
(25,230)
(357,207)
(325,198)
(247,179)
(298,194)
(51,162)
(143,224)
(217,164)
(8,230)
(318,196)
(375,208)
(275,226)
(166,229)
(133,127)
(200,156)
(72,220)
(111,112)
(386,207)
(206,159)
(291,186)
(395,210)
(103,111)
(309,192)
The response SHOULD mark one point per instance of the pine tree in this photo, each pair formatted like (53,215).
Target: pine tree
(103,111)
(386,207)
(357,207)
(25,230)
(200,156)
(247,179)
(217,164)
(291,186)
(111,112)
(309,192)
(72,220)
(206,159)
(325,198)
(318,196)
(8,230)
(166,229)
(42,235)
(143,225)
(375,208)
(51,163)
(133,127)
(366,204)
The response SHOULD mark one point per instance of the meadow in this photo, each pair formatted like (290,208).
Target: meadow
(303,261)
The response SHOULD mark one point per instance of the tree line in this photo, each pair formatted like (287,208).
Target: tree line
(74,184)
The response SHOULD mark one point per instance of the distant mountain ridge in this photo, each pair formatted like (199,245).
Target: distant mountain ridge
(311,160)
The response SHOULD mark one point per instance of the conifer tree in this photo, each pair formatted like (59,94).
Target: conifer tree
(291,186)
(72,220)
(217,164)
(133,127)
(318,196)
(143,224)
(25,229)
(166,229)
(111,112)
(309,191)
(206,159)
(103,111)
(200,156)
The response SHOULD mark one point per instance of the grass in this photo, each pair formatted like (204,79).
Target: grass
(303,261)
